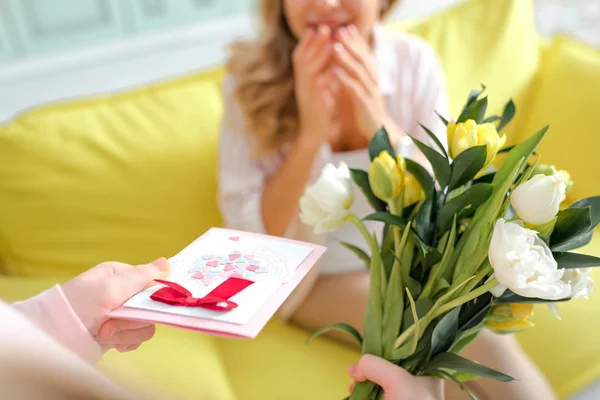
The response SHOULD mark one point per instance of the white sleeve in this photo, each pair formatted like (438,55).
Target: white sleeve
(429,97)
(241,178)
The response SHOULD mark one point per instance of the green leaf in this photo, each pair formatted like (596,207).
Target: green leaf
(445,332)
(572,226)
(444,120)
(460,364)
(387,249)
(421,175)
(475,111)
(393,306)
(493,118)
(422,307)
(474,312)
(440,286)
(340,326)
(451,377)
(594,204)
(464,338)
(380,142)
(520,152)
(507,115)
(360,253)
(511,297)
(575,260)
(436,140)
(464,205)
(474,94)
(402,223)
(425,219)
(361,178)
(440,164)
(487,178)
(466,165)
(432,257)
(506,149)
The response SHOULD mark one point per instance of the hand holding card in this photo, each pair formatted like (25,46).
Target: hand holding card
(226,283)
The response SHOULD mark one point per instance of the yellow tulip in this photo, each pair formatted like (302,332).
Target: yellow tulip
(386,177)
(401,163)
(509,318)
(464,135)
(413,192)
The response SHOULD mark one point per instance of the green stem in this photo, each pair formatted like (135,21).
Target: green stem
(397,241)
(466,298)
(371,242)
(483,271)
(363,390)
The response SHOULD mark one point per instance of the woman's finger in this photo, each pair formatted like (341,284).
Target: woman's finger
(358,49)
(387,375)
(113,326)
(351,85)
(130,337)
(352,66)
(323,37)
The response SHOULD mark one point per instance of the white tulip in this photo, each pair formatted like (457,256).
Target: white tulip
(580,281)
(326,205)
(524,264)
(537,200)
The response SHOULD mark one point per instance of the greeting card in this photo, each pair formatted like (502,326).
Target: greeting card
(227,283)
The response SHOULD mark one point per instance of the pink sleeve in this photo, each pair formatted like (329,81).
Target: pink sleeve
(53,314)
(241,178)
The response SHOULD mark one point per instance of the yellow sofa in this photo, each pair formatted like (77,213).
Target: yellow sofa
(132,177)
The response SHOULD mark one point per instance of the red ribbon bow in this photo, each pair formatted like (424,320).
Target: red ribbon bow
(217,300)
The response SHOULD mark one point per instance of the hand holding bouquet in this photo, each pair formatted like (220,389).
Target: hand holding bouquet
(467,248)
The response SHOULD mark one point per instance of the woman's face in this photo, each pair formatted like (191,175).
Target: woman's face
(302,15)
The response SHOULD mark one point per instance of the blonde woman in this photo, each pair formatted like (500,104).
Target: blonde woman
(320,80)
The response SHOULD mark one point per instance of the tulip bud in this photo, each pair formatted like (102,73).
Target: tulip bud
(550,170)
(510,318)
(537,200)
(413,193)
(464,135)
(386,177)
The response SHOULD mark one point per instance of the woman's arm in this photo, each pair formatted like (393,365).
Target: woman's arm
(249,198)
(53,314)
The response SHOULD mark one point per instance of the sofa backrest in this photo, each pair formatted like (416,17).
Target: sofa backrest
(131,177)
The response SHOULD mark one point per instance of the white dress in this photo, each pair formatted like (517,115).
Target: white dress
(413,85)
(338,259)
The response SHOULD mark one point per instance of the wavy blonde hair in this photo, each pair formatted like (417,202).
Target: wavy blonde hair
(265,80)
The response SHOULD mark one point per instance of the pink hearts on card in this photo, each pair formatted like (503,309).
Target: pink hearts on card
(233,257)
(234,238)
(229,267)
(212,264)
(249,256)
(224,273)
(252,268)
(198,275)
(207,281)
(235,276)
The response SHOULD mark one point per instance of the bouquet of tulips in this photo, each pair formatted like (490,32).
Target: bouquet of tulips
(470,247)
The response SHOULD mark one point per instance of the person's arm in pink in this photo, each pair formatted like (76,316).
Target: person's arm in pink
(53,314)
(76,313)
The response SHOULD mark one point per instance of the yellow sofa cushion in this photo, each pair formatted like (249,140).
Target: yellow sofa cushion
(278,364)
(566,95)
(129,177)
(489,42)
